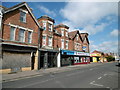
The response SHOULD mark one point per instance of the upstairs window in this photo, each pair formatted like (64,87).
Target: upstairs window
(22,16)
(12,33)
(44,40)
(44,25)
(29,36)
(49,41)
(50,27)
(66,44)
(62,44)
(62,32)
(66,34)
(22,35)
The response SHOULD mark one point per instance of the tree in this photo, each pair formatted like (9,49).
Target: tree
(110,58)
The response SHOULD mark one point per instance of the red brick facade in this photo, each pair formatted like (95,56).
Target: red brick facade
(61,36)
(46,31)
(12,19)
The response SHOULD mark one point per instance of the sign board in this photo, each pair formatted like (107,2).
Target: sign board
(81,53)
(95,54)
(66,52)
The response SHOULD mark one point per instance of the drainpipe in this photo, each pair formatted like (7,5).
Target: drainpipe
(39,46)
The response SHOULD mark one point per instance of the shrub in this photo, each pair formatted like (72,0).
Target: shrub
(110,58)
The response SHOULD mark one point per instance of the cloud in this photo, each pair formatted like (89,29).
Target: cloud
(114,33)
(88,14)
(47,11)
(107,46)
(93,29)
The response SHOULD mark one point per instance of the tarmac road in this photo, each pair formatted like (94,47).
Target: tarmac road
(99,76)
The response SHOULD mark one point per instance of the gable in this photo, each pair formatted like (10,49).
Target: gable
(85,40)
(19,6)
(79,37)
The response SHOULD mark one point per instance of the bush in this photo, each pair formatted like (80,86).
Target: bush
(110,58)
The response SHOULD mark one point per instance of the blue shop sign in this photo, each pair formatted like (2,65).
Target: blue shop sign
(84,47)
(66,52)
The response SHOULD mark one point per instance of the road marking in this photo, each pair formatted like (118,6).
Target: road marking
(105,74)
(99,77)
(93,83)
(91,69)
(98,85)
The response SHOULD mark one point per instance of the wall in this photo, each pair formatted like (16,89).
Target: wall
(13,17)
(16,60)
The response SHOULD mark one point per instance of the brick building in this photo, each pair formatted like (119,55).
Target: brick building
(19,38)
(48,54)
(34,44)
(74,46)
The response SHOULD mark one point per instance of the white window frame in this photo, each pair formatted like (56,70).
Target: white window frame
(44,25)
(66,34)
(50,41)
(30,37)
(50,27)
(25,17)
(62,31)
(62,43)
(44,40)
(23,36)
(67,45)
(14,32)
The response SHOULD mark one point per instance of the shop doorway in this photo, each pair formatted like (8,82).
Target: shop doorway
(32,61)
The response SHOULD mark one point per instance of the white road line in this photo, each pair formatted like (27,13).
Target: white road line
(98,85)
(99,77)
(91,69)
(105,74)
(93,83)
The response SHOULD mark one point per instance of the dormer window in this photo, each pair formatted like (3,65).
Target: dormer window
(23,15)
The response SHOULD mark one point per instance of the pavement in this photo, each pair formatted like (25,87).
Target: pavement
(41,72)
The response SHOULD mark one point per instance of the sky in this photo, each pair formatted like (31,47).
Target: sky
(98,19)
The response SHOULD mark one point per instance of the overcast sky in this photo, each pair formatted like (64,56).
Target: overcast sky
(98,19)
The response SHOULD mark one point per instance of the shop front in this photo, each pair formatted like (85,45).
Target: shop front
(48,59)
(74,58)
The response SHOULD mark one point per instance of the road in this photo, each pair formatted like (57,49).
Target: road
(100,76)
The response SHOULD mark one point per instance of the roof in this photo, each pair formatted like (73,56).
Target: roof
(47,17)
(61,25)
(3,7)
(72,34)
(84,35)
(21,5)
(95,51)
